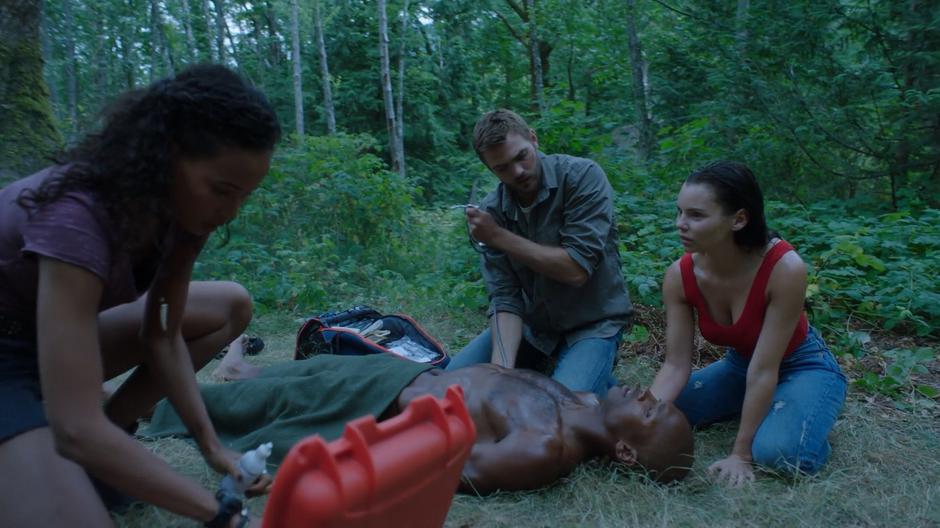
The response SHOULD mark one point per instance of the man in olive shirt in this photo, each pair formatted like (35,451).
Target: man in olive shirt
(550,262)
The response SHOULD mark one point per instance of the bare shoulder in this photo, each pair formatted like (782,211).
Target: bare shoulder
(789,269)
(672,284)
(787,283)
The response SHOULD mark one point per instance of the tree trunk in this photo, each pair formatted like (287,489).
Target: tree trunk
(71,67)
(399,105)
(27,130)
(538,102)
(539,50)
(50,76)
(102,54)
(126,47)
(570,72)
(193,51)
(298,77)
(210,37)
(260,58)
(638,69)
(328,112)
(158,41)
(220,29)
(394,141)
(276,56)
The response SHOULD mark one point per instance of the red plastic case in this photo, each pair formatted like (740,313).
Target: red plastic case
(402,472)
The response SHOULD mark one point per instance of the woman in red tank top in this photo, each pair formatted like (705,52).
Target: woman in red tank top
(747,287)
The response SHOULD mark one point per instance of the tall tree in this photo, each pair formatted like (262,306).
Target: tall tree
(638,67)
(158,42)
(538,100)
(211,41)
(329,113)
(538,62)
(71,66)
(399,103)
(297,68)
(192,50)
(396,147)
(221,28)
(27,131)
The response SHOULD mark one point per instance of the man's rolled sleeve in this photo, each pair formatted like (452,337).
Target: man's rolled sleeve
(587,218)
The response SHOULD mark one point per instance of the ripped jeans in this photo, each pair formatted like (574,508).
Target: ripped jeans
(794,435)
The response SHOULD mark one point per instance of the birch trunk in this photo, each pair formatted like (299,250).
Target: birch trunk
(538,101)
(328,111)
(158,41)
(400,113)
(188,28)
(638,70)
(298,78)
(394,140)
(220,29)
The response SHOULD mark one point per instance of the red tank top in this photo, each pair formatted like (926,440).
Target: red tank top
(742,334)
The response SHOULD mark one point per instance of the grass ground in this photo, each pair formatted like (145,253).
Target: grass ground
(883,471)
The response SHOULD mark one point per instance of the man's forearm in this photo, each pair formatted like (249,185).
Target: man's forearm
(552,261)
(507,335)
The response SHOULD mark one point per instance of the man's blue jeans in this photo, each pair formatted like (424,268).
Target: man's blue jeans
(809,395)
(585,366)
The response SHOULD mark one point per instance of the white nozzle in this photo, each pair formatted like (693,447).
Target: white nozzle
(253,463)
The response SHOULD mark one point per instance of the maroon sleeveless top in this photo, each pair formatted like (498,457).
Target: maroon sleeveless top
(742,334)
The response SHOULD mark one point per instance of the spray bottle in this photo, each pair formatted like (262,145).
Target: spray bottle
(251,465)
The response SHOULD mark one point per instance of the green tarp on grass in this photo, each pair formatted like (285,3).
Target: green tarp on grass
(293,400)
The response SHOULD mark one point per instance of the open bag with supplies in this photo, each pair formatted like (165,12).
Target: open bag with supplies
(363,330)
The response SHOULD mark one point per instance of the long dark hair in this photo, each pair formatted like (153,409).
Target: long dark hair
(128,164)
(736,188)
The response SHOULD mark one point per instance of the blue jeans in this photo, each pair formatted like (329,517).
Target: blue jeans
(585,366)
(794,435)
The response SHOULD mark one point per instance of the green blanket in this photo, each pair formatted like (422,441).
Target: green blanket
(293,400)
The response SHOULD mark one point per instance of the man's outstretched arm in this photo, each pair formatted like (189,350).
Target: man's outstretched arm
(521,461)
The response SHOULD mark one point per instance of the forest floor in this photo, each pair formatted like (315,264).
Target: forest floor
(883,470)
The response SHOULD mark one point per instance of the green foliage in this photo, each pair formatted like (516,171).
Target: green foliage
(896,380)
(329,213)
(566,128)
(877,270)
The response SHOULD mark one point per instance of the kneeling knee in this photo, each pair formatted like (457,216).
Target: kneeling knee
(787,459)
(239,305)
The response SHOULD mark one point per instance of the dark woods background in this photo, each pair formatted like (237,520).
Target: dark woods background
(835,105)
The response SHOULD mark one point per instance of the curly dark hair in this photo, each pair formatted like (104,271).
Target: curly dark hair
(128,164)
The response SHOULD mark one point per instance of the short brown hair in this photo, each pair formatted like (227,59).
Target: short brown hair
(493,127)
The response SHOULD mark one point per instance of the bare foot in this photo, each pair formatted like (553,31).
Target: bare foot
(233,365)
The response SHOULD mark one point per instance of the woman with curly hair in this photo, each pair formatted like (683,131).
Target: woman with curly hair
(746,286)
(96,256)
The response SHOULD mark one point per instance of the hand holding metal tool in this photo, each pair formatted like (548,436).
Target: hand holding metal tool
(477,246)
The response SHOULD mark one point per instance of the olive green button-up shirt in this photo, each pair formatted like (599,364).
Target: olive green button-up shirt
(573,210)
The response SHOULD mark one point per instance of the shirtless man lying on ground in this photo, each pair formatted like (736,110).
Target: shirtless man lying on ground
(531,430)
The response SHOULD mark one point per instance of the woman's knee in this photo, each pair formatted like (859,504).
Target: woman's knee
(240,306)
(789,456)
